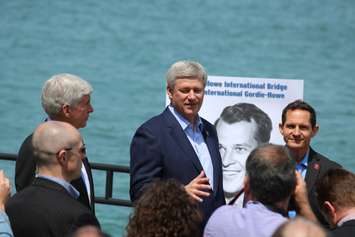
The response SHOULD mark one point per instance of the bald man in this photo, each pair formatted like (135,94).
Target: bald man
(300,227)
(48,207)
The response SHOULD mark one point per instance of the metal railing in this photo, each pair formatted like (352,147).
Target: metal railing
(108,168)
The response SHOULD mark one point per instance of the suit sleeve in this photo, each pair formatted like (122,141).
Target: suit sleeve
(25,165)
(146,161)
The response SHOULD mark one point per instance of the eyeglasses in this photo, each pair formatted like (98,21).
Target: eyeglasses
(82,150)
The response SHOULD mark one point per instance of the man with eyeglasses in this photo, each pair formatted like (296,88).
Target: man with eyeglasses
(48,207)
(66,98)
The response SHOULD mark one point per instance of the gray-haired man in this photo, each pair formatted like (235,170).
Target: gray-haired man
(65,98)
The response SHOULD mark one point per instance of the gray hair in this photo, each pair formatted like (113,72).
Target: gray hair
(185,69)
(63,89)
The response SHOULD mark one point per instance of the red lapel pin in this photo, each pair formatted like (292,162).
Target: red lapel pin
(316,166)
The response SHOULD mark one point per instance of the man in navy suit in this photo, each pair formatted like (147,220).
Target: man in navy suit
(179,144)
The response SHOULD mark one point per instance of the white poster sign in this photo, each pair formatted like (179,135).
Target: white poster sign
(246,113)
(270,95)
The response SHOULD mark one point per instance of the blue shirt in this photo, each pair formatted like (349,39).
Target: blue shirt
(254,220)
(5,228)
(302,168)
(70,188)
(198,143)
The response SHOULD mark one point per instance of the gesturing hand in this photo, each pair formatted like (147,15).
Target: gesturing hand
(199,187)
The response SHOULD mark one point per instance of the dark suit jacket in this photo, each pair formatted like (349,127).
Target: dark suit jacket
(346,230)
(160,149)
(25,173)
(46,209)
(318,165)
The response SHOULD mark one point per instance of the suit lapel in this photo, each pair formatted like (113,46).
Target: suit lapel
(91,182)
(312,170)
(180,138)
(213,153)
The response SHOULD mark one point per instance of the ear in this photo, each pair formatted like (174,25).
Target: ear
(331,211)
(281,129)
(315,130)
(61,157)
(169,91)
(66,110)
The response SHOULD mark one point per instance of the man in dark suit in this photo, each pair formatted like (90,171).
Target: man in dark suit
(298,127)
(179,144)
(47,208)
(66,98)
(336,197)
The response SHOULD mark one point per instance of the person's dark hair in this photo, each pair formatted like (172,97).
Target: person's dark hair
(301,105)
(165,209)
(337,186)
(247,112)
(271,173)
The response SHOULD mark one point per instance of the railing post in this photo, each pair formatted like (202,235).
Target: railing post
(109,184)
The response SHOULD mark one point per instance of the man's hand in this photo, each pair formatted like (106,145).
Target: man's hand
(300,193)
(199,187)
(301,199)
(5,190)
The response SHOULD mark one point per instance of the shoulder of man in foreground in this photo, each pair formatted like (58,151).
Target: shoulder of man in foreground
(326,163)
(38,211)
(216,224)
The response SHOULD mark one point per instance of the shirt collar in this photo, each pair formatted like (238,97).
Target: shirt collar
(70,188)
(346,218)
(304,162)
(184,123)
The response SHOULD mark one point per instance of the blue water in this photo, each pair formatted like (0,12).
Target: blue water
(123,48)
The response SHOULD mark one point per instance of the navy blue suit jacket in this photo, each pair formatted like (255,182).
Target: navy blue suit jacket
(346,230)
(160,149)
(318,165)
(46,209)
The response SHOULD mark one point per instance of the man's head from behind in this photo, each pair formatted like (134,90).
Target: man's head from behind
(66,97)
(270,175)
(58,150)
(299,227)
(88,231)
(240,129)
(336,194)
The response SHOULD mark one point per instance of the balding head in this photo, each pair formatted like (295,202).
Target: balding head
(270,173)
(299,227)
(52,142)
(89,231)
